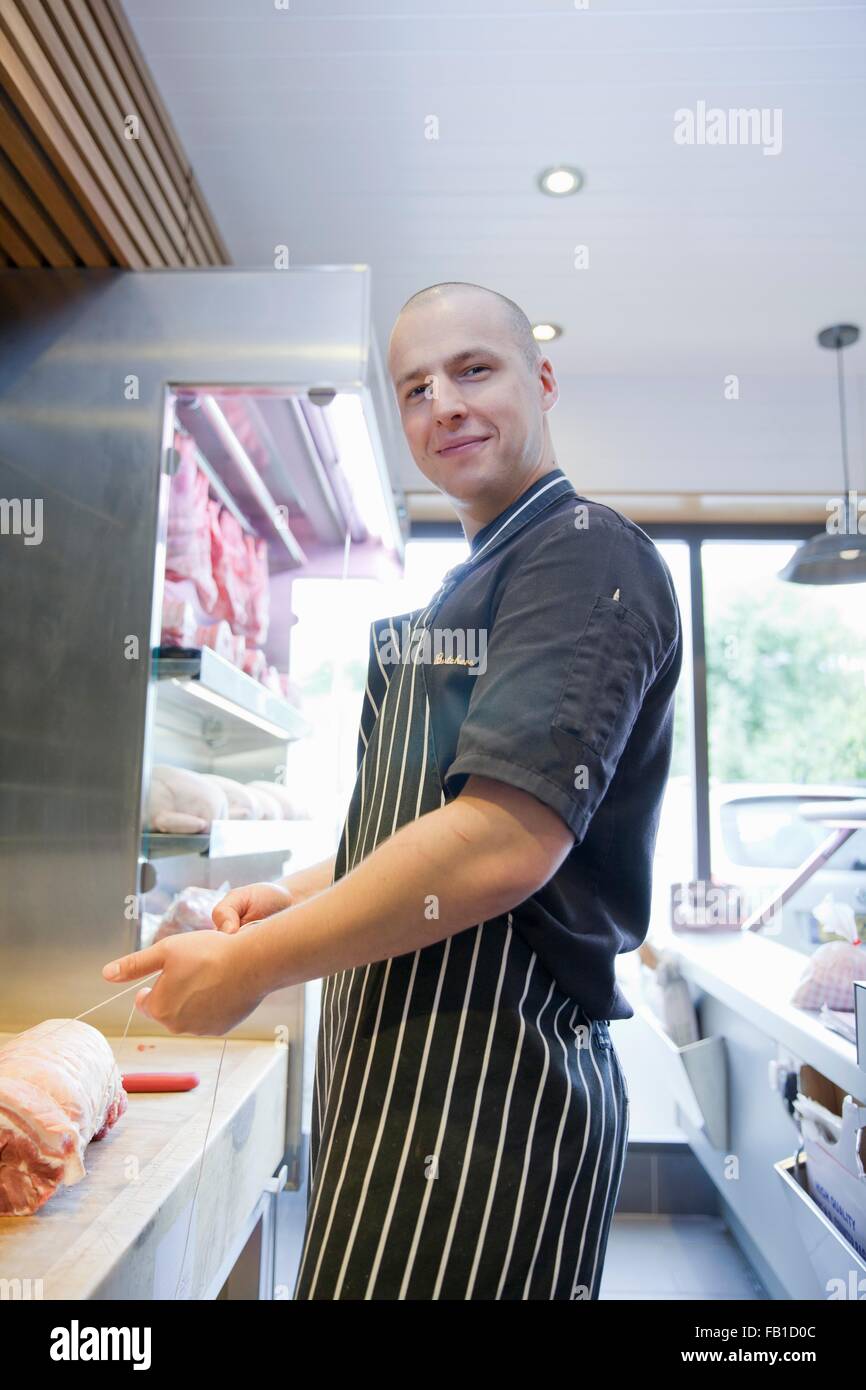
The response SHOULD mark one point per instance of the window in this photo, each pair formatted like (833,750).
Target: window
(674,859)
(786,698)
(329,652)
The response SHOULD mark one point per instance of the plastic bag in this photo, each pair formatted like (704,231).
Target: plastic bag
(832,968)
(190,910)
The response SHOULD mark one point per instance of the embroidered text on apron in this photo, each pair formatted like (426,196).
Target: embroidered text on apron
(469,1121)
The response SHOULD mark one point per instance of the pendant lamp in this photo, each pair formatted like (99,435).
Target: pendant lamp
(834,557)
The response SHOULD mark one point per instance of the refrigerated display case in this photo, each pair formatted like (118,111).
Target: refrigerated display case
(110,382)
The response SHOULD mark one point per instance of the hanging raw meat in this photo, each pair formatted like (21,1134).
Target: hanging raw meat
(220,638)
(255,663)
(60,1088)
(229,564)
(178,616)
(188,543)
(235,411)
(239,563)
(257,583)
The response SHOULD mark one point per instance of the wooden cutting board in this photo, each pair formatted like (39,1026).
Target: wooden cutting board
(151,1187)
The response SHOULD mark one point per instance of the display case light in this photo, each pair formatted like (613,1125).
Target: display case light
(357,459)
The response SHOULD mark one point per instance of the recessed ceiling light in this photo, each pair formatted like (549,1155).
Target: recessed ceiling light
(546,332)
(560,180)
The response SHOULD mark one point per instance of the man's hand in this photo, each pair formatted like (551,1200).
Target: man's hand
(250,903)
(204,987)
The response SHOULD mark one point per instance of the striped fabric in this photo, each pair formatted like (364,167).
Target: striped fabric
(469,1121)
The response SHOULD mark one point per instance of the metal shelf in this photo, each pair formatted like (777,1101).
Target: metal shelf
(157,845)
(225,840)
(202,693)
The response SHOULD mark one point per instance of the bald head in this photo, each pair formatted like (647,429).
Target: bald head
(514,321)
(473,389)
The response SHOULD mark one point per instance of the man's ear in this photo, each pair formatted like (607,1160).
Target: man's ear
(548,384)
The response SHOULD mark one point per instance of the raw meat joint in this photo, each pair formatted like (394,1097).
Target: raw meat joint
(60,1087)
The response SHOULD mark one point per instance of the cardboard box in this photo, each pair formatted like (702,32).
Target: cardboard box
(833,1126)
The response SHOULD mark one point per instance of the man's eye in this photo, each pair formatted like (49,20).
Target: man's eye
(480,367)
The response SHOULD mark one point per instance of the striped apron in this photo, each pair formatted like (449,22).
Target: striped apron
(469,1121)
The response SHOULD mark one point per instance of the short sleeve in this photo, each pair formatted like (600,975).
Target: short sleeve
(581,630)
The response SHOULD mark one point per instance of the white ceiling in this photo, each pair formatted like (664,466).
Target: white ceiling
(306,126)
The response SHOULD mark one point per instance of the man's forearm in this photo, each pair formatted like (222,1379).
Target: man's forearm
(438,875)
(307,882)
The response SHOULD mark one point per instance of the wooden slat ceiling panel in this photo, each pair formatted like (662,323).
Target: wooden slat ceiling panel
(145,154)
(103,121)
(51,136)
(145,98)
(74,188)
(59,206)
(16,245)
(17,200)
(66,90)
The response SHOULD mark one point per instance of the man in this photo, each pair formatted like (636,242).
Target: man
(470,1113)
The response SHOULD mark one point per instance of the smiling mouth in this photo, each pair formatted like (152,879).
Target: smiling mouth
(470,444)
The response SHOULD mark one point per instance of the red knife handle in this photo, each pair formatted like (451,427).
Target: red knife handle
(159,1081)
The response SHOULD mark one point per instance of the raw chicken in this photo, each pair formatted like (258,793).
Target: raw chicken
(60,1087)
(183,803)
(242,806)
(291,808)
(269,806)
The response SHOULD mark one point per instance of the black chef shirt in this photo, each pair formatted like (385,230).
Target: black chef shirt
(572,610)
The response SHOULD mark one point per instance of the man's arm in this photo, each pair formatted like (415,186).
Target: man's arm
(306,883)
(464,863)
(471,860)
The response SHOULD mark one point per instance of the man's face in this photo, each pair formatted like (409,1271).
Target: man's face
(468,382)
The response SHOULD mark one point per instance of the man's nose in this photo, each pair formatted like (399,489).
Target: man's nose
(448,404)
